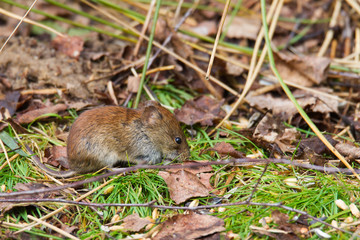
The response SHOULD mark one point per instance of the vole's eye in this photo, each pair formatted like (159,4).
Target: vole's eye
(178,140)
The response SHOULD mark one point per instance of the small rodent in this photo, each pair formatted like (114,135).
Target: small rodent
(116,136)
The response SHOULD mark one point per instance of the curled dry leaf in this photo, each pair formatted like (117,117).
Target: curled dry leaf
(305,71)
(189,226)
(272,130)
(204,110)
(133,84)
(348,150)
(183,185)
(30,116)
(283,108)
(205,28)
(224,148)
(69,45)
(243,27)
(294,230)
(134,223)
(10,102)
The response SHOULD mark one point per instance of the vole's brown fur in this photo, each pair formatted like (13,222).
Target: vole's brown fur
(112,136)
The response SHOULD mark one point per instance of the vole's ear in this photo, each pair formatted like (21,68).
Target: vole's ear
(151,115)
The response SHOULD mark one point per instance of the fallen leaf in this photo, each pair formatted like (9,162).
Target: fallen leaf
(224,148)
(189,226)
(10,102)
(283,108)
(204,110)
(243,27)
(305,71)
(184,185)
(69,45)
(133,84)
(134,223)
(271,129)
(30,116)
(233,69)
(348,150)
(295,230)
(57,155)
(205,28)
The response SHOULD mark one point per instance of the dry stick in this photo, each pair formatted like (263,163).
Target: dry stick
(330,33)
(22,19)
(254,69)
(178,57)
(6,155)
(190,165)
(145,26)
(354,5)
(18,25)
(212,57)
(56,229)
(357,44)
(112,92)
(257,183)
(102,205)
(221,24)
(158,69)
(8,162)
(45,91)
(177,12)
(220,56)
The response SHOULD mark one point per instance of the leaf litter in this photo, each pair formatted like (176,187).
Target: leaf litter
(75,71)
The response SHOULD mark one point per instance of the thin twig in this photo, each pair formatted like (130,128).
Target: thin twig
(330,33)
(56,229)
(145,26)
(102,205)
(255,65)
(257,183)
(18,25)
(237,161)
(212,57)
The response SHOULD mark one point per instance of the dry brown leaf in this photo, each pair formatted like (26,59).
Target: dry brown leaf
(68,45)
(272,130)
(348,150)
(243,27)
(57,155)
(224,148)
(10,101)
(205,28)
(305,71)
(133,84)
(233,69)
(204,110)
(30,116)
(184,185)
(283,108)
(134,223)
(190,226)
(295,230)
